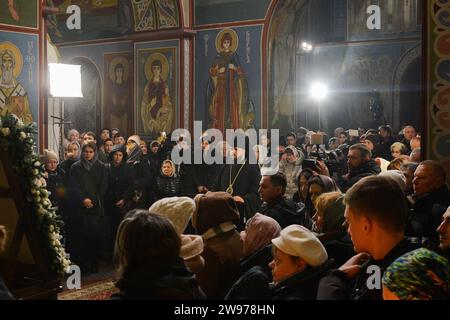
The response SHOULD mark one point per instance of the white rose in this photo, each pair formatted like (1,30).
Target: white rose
(44,184)
(40,211)
(37,182)
(51,228)
(20,124)
(5,131)
(37,198)
(35,172)
(33,191)
(22,136)
(37,164)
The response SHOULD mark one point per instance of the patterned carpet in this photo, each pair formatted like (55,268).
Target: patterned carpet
(100,290)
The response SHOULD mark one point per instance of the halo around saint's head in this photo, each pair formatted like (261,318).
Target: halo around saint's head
(164,62)
(231,34)
(112,68)
(17,56)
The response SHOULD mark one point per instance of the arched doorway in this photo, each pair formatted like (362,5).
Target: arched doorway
(411,95)
(85,113)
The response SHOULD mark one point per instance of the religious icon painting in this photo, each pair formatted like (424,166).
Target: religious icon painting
(229,92)
(117,91)
(156,90)
(19,13)
(19,87)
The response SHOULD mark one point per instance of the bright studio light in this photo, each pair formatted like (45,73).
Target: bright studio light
(65,80)
(307,47)
(319,91)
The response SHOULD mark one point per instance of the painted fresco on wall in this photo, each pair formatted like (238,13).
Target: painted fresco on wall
(19,84)
(99,20)
(20,13)
(151,15)
(157,87)
(281,59)
(168,16)
(221,11)
(398,18)
(117,91)
(438,82)
(86,114)
(144,15)
(228,77)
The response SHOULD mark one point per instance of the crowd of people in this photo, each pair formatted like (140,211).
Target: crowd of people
(312,230)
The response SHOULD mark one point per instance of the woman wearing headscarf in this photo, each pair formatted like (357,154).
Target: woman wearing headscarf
(257,251)
(168,183)
(179,211)
(418,275)
(89,181)
(215,220)
(118,194)
(317,185)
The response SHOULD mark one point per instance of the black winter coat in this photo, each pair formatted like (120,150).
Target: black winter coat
(89,184)
(167,187)
(119,183)
(159,280)
(286,212)
(369,168)
(337,286)
(55,185)
(143,183)
(302,286)
(426,215)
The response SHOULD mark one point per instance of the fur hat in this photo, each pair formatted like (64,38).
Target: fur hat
(178,210)
(298,241)
(213,209)
(49,155)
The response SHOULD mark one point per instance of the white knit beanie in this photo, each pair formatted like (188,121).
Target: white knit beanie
(178,210)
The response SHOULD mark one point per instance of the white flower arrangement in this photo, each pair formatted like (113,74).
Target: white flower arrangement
(16,139)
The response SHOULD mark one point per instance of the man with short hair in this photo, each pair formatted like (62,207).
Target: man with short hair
(360,165)
(119,139)
(429,201)
(409,132)
(375,216)
(408,170)
(286,212)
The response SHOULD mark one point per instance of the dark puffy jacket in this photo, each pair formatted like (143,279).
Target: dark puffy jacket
(159,280)
(369,168)
(167,187)
(286,212)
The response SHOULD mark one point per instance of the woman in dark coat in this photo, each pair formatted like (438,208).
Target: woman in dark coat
(168,183)
(150,267)
(89,181)
(142,177)
(118,194)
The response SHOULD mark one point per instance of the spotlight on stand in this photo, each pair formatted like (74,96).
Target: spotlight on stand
(65,82)
(319,92)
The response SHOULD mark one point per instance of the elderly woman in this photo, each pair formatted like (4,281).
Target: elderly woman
(257,238)
(179,211)
(215,220)
(299,262)
(150,267)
